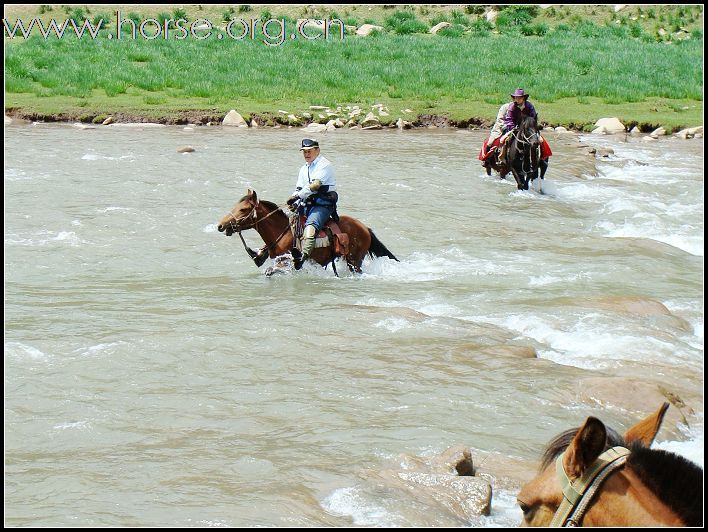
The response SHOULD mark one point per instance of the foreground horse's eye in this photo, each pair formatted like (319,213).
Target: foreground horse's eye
(524,507)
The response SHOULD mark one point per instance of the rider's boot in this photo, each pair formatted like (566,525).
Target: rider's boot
(308,244)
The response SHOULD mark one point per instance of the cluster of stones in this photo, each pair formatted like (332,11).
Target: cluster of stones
(610,126)
(321,118)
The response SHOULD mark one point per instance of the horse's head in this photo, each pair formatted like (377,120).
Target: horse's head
(529,132)
(580,453)
(243,216)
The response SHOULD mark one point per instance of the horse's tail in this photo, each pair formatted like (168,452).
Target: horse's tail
(377,249)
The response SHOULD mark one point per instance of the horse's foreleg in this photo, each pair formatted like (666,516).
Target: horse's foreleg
(519,176)
(354,263)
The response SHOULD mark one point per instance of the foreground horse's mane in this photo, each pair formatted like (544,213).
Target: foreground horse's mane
(674,480)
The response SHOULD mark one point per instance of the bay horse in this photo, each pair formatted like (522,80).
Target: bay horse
(273,226)
(592,476)
(523,155)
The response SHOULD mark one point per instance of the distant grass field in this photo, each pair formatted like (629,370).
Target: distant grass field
(575,75)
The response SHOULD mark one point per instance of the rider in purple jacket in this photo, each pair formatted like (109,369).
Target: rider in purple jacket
(519,108)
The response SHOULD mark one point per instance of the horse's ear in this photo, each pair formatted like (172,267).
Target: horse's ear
(645,431)
(588,444)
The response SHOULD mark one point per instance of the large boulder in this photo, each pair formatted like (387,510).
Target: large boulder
(314,127)
(441,26)
(689,132)
(309,23)
(234,119)
(658,132)
(366,29)
(610,125)
(448,482)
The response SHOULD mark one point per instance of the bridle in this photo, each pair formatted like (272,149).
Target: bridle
(526,140)
(578,494)
(235,225)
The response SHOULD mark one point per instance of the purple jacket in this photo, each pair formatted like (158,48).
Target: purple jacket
(514,114)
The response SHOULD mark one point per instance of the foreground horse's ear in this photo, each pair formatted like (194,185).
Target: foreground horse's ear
(588,444)
(645,431)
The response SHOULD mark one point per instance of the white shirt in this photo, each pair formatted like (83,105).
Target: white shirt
(320,169)
(497,129)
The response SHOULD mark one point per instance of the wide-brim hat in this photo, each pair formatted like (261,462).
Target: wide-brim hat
(519,92)
(309,144)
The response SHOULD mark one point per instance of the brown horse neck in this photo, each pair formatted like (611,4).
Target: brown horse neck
(272,228)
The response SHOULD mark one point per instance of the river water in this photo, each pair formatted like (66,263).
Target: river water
(155,377)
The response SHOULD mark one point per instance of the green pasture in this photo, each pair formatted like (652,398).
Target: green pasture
(575,74)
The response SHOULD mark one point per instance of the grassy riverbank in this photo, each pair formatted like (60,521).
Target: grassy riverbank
(575,74)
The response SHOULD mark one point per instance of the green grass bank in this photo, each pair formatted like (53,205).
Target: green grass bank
(577,71)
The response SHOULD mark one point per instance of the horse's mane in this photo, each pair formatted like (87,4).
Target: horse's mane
(528,121)
(269,204)
(677,482)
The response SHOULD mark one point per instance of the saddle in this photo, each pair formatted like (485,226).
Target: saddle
(487,150)
(329,235)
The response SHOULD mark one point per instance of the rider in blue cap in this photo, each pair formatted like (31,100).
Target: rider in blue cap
(315,195)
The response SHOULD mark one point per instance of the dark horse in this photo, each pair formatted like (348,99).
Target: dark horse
(523,155)
(273,225)
(592,476)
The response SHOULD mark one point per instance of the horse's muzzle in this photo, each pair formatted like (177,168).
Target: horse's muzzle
(227,229)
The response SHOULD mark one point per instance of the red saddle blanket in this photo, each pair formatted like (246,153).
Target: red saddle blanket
(487,151)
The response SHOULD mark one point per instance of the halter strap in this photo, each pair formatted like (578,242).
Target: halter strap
(237,228)
(578,493)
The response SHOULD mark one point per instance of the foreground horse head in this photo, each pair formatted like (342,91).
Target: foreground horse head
(273,225)
(592,476)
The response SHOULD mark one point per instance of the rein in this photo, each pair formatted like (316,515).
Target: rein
(525,141)
(235,225)
(577,494)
